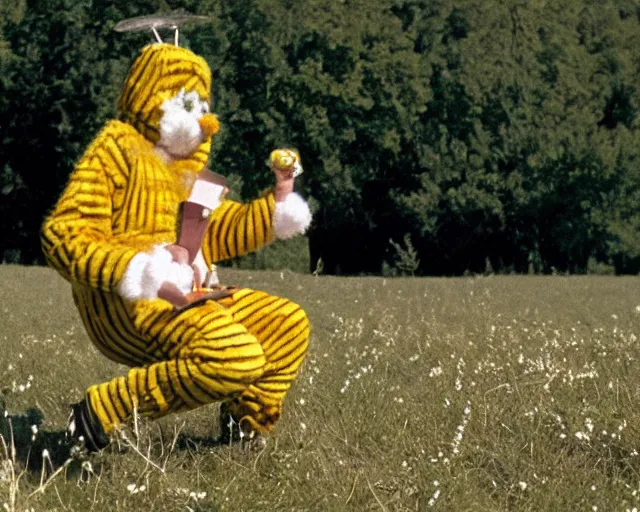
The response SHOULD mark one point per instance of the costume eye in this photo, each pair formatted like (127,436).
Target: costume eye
(204,107)
(191,102)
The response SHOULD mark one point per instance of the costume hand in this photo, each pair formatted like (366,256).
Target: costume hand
(292,215)
(285,164)
(283,174)
(169,265)
(146,274)
(181,255)
(178,254)
(181,276)
(178,276)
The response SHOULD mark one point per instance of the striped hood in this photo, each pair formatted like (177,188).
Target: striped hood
(159,73)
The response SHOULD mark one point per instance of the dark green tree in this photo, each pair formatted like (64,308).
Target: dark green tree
(493,135)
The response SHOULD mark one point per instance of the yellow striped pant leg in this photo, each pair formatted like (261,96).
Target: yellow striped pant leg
(282,328)
(202,356)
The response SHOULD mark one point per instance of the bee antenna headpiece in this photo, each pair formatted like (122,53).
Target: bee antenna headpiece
(156,21)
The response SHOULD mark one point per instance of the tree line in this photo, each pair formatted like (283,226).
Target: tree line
(438,136)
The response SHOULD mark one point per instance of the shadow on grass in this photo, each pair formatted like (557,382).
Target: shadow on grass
(190,442)
(22,432)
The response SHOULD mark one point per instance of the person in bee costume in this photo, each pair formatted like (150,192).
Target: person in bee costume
(121,235)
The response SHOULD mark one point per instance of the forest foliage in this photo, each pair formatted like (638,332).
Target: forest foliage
(490,135)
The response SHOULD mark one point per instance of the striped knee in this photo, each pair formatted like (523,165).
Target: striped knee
(284,335)
(211,379)
(224,361)
(286,346)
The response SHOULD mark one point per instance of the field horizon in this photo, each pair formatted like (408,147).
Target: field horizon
(490,392)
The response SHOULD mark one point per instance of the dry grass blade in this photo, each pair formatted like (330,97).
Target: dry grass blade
(353,488)
(376,496)
(45,484)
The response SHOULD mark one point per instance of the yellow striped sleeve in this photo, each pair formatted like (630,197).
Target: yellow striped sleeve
(237,229)
(76,238)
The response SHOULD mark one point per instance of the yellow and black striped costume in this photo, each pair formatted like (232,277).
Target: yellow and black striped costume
(122,199)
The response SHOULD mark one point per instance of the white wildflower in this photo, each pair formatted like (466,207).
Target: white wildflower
(433,499)
(134,489)
(582,436)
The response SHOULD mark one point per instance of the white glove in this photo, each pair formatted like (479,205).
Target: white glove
(147,271)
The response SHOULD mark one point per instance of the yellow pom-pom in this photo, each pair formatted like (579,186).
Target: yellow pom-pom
(209,124)
(284,159)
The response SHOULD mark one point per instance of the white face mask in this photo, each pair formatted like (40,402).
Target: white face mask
(180,131)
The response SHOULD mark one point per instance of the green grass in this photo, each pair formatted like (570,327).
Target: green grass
(491,393)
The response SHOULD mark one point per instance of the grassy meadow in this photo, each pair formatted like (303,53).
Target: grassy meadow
(481,393)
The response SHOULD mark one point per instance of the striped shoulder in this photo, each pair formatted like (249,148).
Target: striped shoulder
(122,134)
(115,148)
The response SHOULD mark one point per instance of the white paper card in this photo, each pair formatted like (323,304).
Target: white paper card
(206,194)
